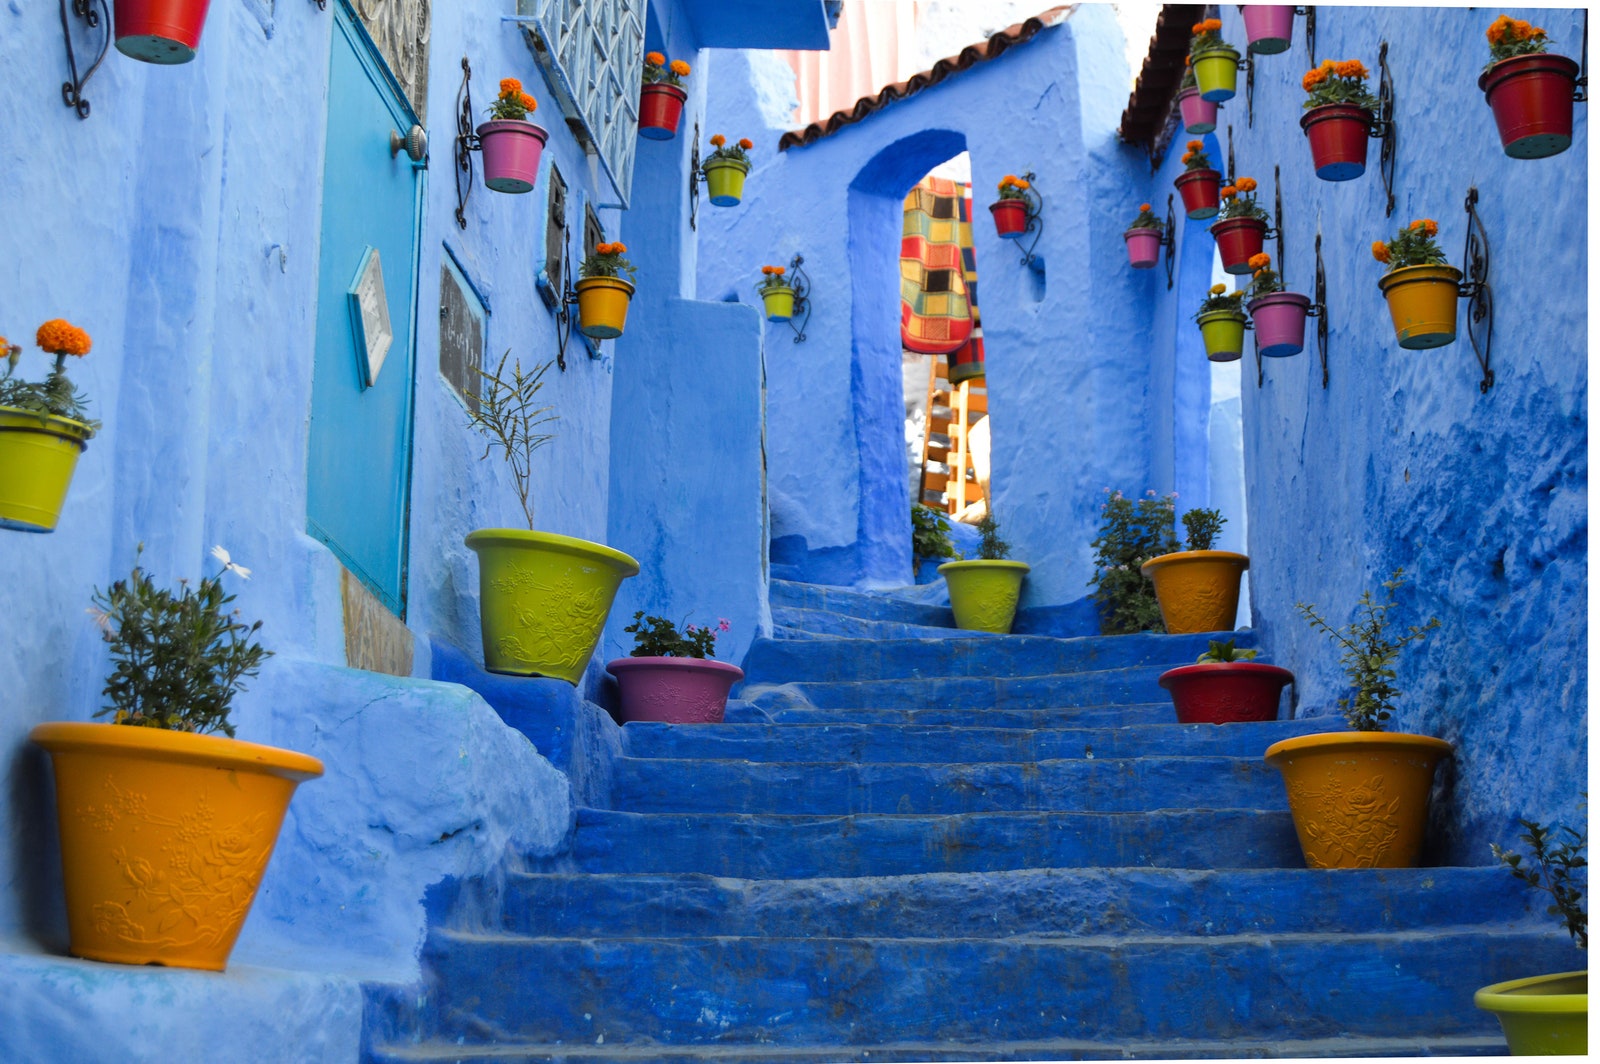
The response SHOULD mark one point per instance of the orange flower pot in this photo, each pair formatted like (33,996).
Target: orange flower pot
(603,306)
(1422,302)
(1198,589)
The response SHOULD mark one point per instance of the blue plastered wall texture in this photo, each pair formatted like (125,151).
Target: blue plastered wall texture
(1402,461)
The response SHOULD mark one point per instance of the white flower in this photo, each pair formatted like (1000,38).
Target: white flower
(227,563)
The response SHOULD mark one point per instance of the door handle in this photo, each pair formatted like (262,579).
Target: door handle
(414,142)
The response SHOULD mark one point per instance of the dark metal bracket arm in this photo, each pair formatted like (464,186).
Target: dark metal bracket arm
(1169,240)
(467,142)
(1249,92)
(1276,230)
(1231,169)
(1319,311)
(96,17)
(1475,289)
(322,5)
(568,299)
(696,175)
(1035,201)
(1384,127)
(1310,12)
(1580,88)
(800,281)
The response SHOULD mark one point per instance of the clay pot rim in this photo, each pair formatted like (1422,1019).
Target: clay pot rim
(1413,274)
(1180,557)
(1196,175)
(664,88)
(1141,229)
(1213,668)
(15,419)
(632,664)
(1505,69)
(551,541)
(1355,742)
(985,563)
(514,125)
(1334,111)
(1272,299)
(1230,224)
(178,747)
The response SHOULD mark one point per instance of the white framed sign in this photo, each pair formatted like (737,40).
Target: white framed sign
(369,316)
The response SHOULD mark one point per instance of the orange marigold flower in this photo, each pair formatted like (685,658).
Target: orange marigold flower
(1416,224)
(746,143)
(1260,260)
(778,271)
(1380,251)
(1195,145)
(1142,207)
(1188,60)
(1198,28)
(1430,227)
(510,86)
(718,140)
(1186,157)
(1212,24)
(655,59)
(62,338)
(1246,184)
(1312,79)
(1228,192)
(529,103)
(1024,184)
(680,68)
(619,247)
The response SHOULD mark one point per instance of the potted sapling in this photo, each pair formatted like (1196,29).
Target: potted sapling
(984,590)
(1225,685)
(44,427)
(672,677)
(1198,588)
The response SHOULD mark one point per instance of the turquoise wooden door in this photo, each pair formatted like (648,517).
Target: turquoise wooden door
(359,461)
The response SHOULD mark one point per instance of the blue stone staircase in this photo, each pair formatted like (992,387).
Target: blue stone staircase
(911,848)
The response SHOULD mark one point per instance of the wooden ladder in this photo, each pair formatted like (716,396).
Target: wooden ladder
(951,413)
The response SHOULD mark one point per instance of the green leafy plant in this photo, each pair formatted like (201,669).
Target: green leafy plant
(1264,280)
(657,637)
(991,547)
(658,71)
(930,534)
(1147,219)
(508,418)
(55,395)
(1239,201)
(1412,246)
(1206,37)
(606,261)
(512,103)
(1557,852)
(735,152)
(773,277)
(1201,527)
(1220,652)
(179,658)
(1219,299)
(1013,187)
(1510,37)
(1131,533)
(1339,82)
(1189,80)
(1368,654)
(1195,157)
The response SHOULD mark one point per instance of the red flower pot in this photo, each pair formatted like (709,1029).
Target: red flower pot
(660,107)
(674,690)
(1338,135)
(159,31)
(1144,247)
(1225,692)
(1237,240)
(1532,100)
(1199,114)
(1010,217)
(1199,191)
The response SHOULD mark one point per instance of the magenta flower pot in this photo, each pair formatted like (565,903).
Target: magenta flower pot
(1269,27)
(511,150)
(674,690)
(1199,113)
(1280,321)
(1144,247)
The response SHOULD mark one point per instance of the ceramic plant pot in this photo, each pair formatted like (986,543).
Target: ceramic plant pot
(1225,692)
(543,599)
(1359,799)
(159,31)
(1547,1015)
(1338,134)
(660,108)
(511,150)
(1422,302)
(1198,590)
(38,454)
(779,300)
(1268,28)
(1222,332)
(984,592)
(1144,247)
(1199,115)
(1217,74)
(1532,100)
(674,690)
(1010,217)
(1237,240)
(1199,189)
(164,837)
(725,181)
(1280,322)
(603,306)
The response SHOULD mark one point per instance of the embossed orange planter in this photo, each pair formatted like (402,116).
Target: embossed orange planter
(1359,799)
(984,592)
(1198,589)
(164,837)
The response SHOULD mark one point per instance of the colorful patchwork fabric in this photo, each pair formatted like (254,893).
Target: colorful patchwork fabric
(966,361)
(935,313)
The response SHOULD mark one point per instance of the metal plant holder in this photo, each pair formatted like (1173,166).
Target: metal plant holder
(467,142)
(1169,240)
(696,175)
(1035,201)
(1475,289)
(801,283)
(1384,127)
(1310,14)
(95,17)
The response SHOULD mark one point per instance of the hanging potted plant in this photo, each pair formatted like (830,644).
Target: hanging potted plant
(1215,62)
(1199,185)
(44,427)
(1268,28)
(602,293)
(1359,798)
(1131,533)
(1013,212)
(725,170)
(1143,238)
(672,678)
(1548,1015)
(511,144)
(1242,226)
(1421,286)
(1198,588)
(1222,324)
(1279,317)
(159,31)
(166,828)
(984,590)
(1225,685)
(661,98)
(1338,119)
(776,293)
(1199,114)
(542,598)
(1530,90)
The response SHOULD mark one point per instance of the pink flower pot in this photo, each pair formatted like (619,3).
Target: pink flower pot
(1269,28)
(674,690)
(1280,321)
(1199,114)
(511,150)
(1144,247)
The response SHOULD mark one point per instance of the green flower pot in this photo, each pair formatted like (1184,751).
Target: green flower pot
(543,599)
(725,181)
(1217,74)
(38,454)
(1223,334)
(984,593)
(1547,1015)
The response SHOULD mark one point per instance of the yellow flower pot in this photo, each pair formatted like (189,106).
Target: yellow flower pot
(780,302)
(1222,331)
(984,592)
(725,181)
(603,306)
(1422,302)
(1547,1015)
(164,837)
(38,454)
(1359,799)
(543,599)
(1216,74)
(1198,589)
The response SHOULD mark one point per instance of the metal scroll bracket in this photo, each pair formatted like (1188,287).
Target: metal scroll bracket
(1232,170)
(696,175)
(1475,289)
(1310,12)
(1276,229)
(1580,88)
(800,281)
(467,142)
(1319,311)
(1249,92)
(1035,201)
(1169,240)
(96,17)
(1384,127)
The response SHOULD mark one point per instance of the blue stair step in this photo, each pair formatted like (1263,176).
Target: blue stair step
(862,604)
(999,691)
(824,624)
(768,709)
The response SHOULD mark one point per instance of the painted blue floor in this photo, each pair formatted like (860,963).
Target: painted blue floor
(904,848)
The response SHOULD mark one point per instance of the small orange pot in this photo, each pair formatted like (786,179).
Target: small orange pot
(603,306)
(1198,589)
(1422,302)
(1359,799)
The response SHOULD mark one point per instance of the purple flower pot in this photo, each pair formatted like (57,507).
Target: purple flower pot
(1269,27)
(1144,247)
(1280,321)
(1199,114)
(511,150)
(674,690)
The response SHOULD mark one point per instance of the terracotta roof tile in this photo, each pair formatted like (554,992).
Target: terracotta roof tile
(1147,120)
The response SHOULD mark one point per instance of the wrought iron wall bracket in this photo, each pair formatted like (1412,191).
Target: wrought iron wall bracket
(1475,289)
(95,17)
(800,281)
(1232,170)
(1384,128)
(1319,311)
(1249,92)
(467,142)
(696,175)
(1580,88)
(1169,240)
(322,5)
(1277,219)
(564,317)
(1035,201)
(1310,13)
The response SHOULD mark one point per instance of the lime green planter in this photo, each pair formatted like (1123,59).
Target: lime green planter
(1547,1015)
(543,599)
(984,593)
(1217,74)
(38,453)
(725,181)
(1223,334)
